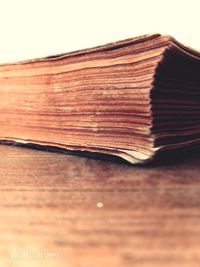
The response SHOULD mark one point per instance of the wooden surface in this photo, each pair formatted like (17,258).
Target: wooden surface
(51,211)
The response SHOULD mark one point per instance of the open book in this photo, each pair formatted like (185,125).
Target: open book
(130,98)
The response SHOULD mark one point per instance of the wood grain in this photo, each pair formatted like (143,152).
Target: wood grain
(49,203)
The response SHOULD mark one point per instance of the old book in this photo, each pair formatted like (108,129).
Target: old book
(131,98)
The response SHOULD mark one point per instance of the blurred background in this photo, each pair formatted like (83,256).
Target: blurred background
(37,28)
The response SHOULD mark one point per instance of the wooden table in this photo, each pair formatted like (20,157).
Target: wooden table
(67,211)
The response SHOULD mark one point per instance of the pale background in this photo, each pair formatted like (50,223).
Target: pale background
(38,28)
